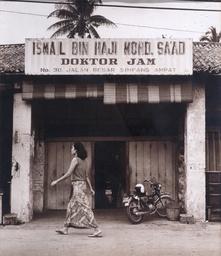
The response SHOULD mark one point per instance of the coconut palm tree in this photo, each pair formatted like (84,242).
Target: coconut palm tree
(76,19)
(211,35)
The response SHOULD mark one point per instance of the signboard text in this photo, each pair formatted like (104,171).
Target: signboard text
(108,56)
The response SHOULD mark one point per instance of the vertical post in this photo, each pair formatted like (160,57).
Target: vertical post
(195,155)
(1,194)
(22,154)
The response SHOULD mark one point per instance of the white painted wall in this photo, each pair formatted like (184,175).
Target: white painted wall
(195,154)
(22,152)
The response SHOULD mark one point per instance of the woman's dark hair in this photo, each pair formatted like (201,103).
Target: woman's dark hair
(81,151)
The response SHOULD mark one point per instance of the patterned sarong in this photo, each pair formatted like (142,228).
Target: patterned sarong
(79,213)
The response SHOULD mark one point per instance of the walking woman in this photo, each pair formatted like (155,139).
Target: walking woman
(79,213)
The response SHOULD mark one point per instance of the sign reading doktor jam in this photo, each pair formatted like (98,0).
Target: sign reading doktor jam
(108,57)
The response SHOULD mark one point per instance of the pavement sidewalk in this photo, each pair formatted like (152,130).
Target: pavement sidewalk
(153,237)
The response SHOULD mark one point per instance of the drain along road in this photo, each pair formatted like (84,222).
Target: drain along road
(153,237)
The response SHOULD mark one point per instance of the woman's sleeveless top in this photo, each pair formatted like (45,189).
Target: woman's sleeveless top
(80,171)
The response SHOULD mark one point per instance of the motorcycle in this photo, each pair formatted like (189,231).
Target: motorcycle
(109,192)
(146,201)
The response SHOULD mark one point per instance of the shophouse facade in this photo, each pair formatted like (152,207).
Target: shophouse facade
(134,122)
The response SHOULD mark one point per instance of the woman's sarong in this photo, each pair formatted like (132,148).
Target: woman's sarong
(79,213)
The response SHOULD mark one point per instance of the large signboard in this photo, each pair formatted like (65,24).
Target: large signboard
(108,57)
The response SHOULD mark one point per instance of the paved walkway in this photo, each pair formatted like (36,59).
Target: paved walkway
(153,237)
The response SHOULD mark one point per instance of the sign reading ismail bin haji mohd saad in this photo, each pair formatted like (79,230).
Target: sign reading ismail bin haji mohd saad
(108,57)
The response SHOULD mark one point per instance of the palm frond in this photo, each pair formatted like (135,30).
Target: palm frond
(66,30)
(211,35)
(93,32)
(72,33)
(60,24)
(64,14)
(98,20)
(204,38)
(60,32)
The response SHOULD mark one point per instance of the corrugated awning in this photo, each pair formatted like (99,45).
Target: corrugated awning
(147,93)
(112,93)
(61,91)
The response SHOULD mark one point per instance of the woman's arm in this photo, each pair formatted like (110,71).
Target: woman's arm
(68,173)
(89,185)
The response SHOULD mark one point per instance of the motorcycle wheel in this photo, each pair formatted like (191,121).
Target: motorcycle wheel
(161,205)
(131,210)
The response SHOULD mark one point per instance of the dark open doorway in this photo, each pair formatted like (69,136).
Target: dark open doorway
(6,113)
(110,173)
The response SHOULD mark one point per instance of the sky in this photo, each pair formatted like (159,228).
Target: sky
(20,20)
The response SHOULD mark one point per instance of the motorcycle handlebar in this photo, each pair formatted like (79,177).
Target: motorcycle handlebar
(151,183)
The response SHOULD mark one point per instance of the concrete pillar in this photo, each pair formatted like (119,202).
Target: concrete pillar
(195,155)
(22,157)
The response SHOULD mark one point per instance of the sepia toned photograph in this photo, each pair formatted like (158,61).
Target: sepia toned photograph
(110,128)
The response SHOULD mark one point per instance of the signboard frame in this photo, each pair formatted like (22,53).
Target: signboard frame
(108,56)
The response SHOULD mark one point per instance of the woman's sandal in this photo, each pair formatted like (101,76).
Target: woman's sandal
(61,232)
(96,234)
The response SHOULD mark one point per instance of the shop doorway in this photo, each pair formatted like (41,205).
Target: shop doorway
(110,173)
